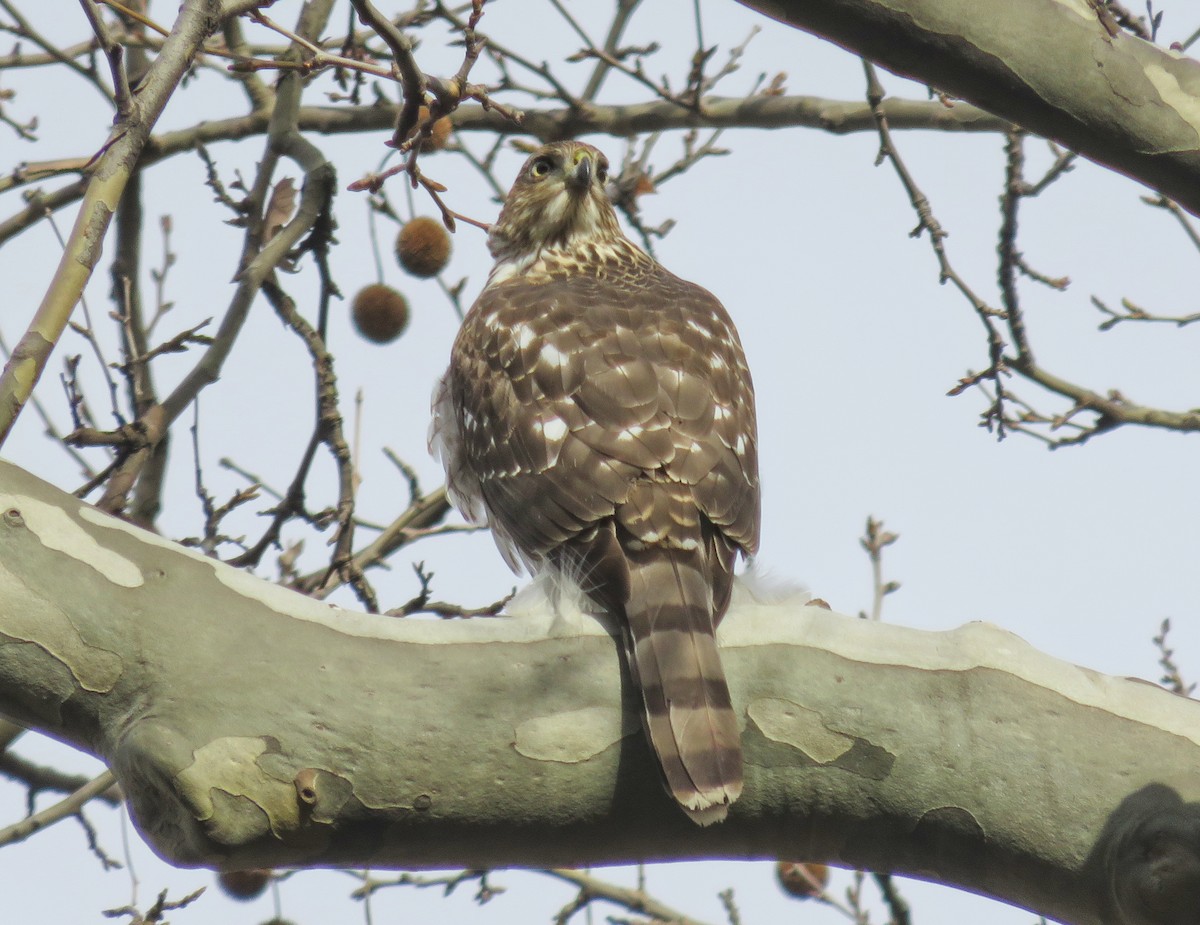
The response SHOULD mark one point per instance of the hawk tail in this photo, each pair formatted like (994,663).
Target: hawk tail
(673,657)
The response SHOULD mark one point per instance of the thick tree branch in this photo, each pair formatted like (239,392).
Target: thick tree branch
(250,726)
(1050,66)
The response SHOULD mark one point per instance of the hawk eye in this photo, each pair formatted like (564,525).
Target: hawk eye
(602,172)
(541,167)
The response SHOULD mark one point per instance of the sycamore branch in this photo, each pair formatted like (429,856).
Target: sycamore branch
(1056,68)
(251,726)
(835,116)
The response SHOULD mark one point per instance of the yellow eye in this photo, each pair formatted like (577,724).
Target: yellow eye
(541,167)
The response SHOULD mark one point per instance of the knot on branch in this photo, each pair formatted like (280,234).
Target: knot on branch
(1146,862)
(233,800)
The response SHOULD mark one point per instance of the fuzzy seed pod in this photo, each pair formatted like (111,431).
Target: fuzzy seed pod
(244,884)
(801,879)
(423,247)
(439,132)
(380,313)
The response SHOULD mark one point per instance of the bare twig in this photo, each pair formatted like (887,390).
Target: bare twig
(50,429)
(154,914)
(412,79)
(115,53)
(874,541)
(64,809)
(1172,208)
(1014,185)
(897,906)
(93,842)
(592,889)
(732,915)
(616,29)
(116,162)
(42,779)
(53,53)
(927,222)
(425,512)
(1172,678)
(423,604)
(448,883)
(1133,312)
(329,432)
(260,258)
(177,344)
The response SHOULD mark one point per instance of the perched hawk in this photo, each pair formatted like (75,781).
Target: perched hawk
(599,416)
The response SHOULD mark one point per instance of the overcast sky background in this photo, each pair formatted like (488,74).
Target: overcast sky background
(853,345)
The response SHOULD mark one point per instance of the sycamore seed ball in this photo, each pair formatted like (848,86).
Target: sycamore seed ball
(423,247)
(380,313)
(801,879)
(244,884)
(439,132)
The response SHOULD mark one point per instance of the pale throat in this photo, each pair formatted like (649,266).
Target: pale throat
(562,233)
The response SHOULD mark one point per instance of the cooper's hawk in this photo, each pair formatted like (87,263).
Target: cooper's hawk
(598,414)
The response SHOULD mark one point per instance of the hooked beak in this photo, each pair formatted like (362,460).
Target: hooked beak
(580,178)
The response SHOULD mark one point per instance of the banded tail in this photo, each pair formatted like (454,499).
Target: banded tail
(670,623)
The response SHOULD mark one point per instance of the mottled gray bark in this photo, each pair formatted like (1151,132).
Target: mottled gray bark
(249,725)
(1051,66)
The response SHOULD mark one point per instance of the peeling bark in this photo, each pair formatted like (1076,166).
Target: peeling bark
(250,726)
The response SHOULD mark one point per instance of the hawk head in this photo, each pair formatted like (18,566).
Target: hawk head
(558,201)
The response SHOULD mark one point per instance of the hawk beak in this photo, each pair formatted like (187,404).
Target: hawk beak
(581,178)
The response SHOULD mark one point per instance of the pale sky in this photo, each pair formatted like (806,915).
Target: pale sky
(853,345)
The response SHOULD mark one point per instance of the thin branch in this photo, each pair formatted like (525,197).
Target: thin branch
(1172,678)
(426,511)
(93,843)
(260,259)
(329,432)
(404,64)
(592,888)
(51,430)
(40,778)
(875,540)
(1133,312)
(154,914)
(834,116)
(104,188)
(64,809)
(423,602)
(447,883)
(54,54)
(1162,202)
(115,54)
(1010,200)
(622,15)
(896,903)
(927,222)
(1111,410)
